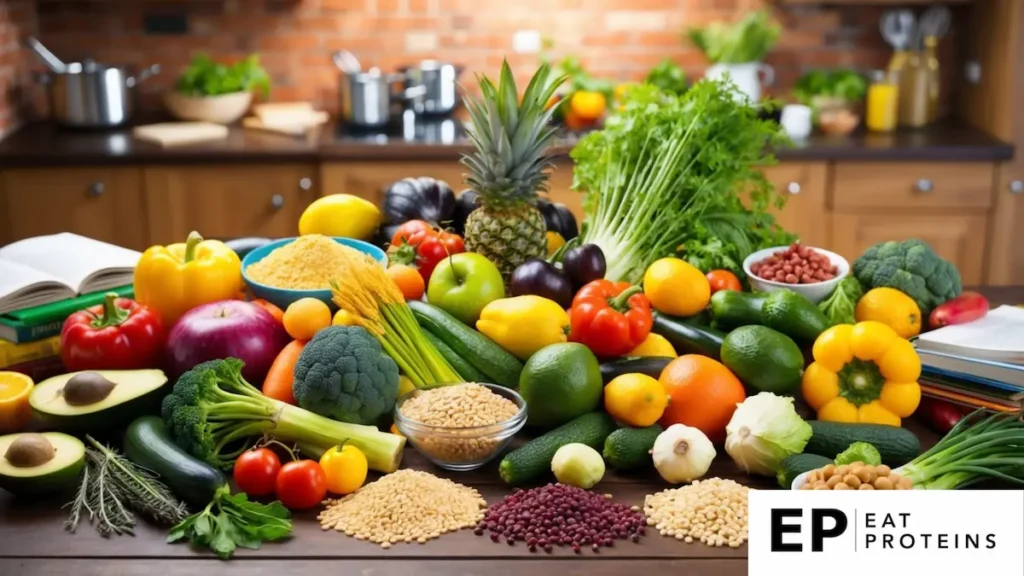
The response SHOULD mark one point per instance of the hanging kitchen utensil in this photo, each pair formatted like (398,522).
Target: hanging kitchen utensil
(898,27)
(933,22)
(55,64)
(347,62)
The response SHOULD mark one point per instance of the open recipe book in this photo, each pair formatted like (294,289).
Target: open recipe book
(47,269)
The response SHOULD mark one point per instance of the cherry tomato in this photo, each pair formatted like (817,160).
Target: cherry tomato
(301,484)
(256,471)
(412,232)
(435,248)
(723,280)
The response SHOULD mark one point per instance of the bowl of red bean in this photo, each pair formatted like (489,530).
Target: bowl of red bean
(811,272)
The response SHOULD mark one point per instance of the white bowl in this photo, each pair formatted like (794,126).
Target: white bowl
(800,480)
(813,292)
(223,109)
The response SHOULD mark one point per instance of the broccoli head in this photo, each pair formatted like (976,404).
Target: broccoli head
(911,267)
(344,374)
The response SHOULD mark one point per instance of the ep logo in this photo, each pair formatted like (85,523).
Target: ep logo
(821,523)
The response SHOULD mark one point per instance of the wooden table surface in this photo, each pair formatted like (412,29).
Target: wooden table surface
(33,540)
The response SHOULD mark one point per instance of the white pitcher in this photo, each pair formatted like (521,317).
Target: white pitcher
(748,77)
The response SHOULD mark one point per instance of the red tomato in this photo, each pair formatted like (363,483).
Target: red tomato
(301,484)
(256,471)
(723,280)
(412,232)
(435,248)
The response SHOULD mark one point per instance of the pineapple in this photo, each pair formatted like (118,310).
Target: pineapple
(509,167)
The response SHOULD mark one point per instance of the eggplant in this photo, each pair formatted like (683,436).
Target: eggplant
(541,278)
(584,264)
(650,365)
(422,198)
(467,201)
(558,218)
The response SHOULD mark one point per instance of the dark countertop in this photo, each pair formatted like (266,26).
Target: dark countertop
(43,144)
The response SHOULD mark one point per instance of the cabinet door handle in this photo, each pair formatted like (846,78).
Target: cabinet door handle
(305,183)
(277,201)
(97,189)
(1017,187)
(924,185)
(793,188)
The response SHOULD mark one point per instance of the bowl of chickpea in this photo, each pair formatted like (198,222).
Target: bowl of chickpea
(855,476)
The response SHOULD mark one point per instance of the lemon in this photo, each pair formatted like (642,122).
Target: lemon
(341,215)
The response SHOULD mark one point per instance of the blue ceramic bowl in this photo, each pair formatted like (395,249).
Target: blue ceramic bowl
(282,297)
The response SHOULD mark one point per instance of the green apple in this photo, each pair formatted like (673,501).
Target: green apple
(463,284)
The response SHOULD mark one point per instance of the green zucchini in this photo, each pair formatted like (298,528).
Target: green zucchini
(896,445)
(148,443)
(732,309)
(797,464)
(649,365)
(463,368)
(688,337)
(630,448)
(533,459)
(492,360)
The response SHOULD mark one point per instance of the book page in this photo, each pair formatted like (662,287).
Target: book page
(74,259)
(1001,330)
(20,284)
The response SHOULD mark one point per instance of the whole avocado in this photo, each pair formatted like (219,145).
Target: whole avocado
(911,267)
(344,374)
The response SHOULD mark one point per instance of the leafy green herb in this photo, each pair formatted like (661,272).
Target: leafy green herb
(748,40)
(204,77)
(843,85)
(232,521)
(671,172)
(112,488)
(668,76)
(840,305)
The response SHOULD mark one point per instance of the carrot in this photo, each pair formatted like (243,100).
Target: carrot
(276,312)
(278,383)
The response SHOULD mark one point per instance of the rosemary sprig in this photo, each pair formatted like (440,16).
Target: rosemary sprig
(112,488)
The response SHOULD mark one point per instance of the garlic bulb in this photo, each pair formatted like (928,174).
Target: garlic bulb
(682,453)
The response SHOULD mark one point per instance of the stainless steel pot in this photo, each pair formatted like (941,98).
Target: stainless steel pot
(92,95)
(369,99)
(438,79)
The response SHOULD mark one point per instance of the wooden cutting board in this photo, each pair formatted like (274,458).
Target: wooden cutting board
(180,133)
(293,128)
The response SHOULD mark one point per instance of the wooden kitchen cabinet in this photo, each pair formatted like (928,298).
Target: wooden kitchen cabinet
(227,201)
(101,203)
(957,238)
(369,179)
(805,185)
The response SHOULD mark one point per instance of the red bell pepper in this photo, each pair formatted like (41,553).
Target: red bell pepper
(610,318)
(119,334)
(967,307)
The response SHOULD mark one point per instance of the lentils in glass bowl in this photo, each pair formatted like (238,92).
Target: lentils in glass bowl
(462,426)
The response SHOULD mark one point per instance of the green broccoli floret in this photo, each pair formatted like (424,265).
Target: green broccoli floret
(911,267)
(344,374)
(840,305)
(215,415)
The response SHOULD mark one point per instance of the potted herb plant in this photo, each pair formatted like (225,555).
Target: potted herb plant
(834,97)
(737,50)
(210,91)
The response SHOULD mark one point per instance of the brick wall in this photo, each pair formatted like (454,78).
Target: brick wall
(621,39)
(17,19)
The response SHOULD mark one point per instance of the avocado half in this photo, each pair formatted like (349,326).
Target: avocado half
(53,475)
(134,393)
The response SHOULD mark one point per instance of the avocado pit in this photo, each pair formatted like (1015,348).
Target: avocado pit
(87,388)
(29,451)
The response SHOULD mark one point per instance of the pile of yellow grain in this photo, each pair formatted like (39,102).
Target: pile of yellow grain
(308,263)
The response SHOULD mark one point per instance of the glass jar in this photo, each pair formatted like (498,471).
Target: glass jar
(882,102)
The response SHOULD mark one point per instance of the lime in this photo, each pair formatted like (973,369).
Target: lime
(559,383)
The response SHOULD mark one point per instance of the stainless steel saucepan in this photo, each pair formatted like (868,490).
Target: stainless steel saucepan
(438,79)
(370,99)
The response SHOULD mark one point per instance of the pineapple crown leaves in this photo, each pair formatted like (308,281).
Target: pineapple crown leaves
(511,137)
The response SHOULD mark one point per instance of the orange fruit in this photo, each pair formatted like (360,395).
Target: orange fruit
(409,281)
(15,411)
(587,106)
(702,392)
(305,317)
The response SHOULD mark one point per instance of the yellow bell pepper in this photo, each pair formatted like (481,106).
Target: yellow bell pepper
(174,279)
(524,324)
(863,372)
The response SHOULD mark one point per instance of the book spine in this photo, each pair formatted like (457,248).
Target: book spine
(40,368)
(12,354)
(27,334)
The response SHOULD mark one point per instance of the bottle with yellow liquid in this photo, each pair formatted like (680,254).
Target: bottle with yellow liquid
(882,102)
(931,65)
(913,92)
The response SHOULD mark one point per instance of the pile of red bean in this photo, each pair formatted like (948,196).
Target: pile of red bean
(560,515)
(797,264)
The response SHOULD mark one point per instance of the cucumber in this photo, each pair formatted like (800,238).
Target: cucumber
(797,464)
(687,336)
(649,365)
(148,443)
(793,315)
(462,368)
(492,360)
(533,459)
(732,309)
(896,445)
(630,448)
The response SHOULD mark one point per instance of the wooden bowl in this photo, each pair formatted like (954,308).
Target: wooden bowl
(223,109)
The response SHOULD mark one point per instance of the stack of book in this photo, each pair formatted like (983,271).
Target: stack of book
(979,364)
(45,279)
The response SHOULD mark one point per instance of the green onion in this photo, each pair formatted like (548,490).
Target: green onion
(974,450)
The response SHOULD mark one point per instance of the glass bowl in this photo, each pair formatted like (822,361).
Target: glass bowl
(461,448)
